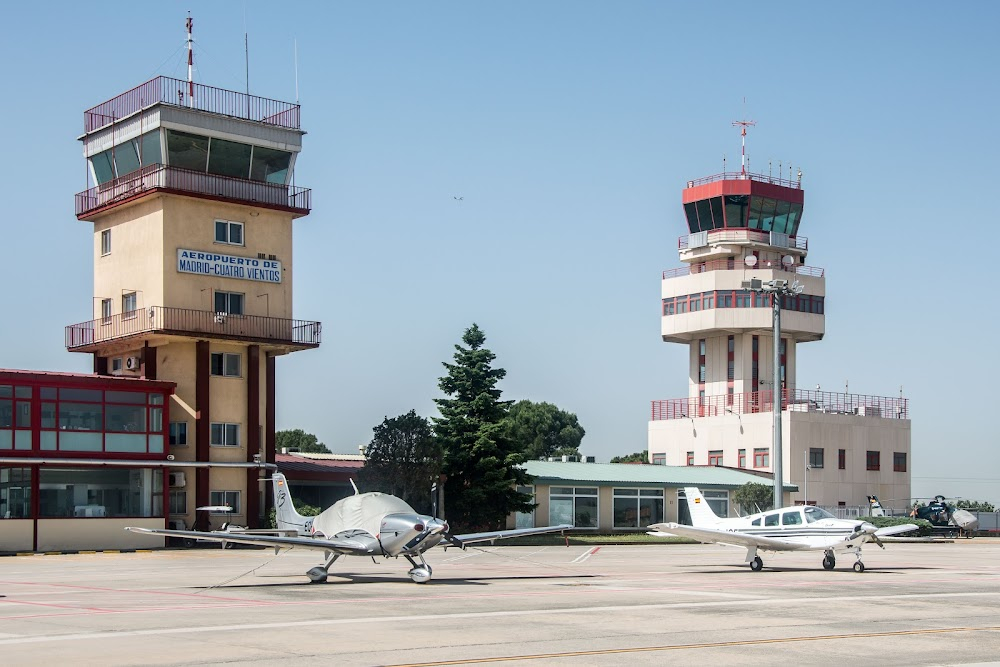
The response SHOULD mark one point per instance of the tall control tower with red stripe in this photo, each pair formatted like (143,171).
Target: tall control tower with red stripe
(743,226)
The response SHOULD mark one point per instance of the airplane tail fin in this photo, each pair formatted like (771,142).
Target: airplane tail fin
(285,516)
(702,515)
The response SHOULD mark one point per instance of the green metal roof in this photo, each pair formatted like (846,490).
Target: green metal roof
(627,473)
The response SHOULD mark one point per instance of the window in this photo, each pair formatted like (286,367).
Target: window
(668,306)
(873,460)
(116,365)
(178,502)
(715,458)
(128,304)
(106,242)
(755,522)
(573,505)
(178,434)
(718,501)
(525,519)
(659,459)
(225,435)
(230,499)
(841,459)
(815,457)
(701,360)
(690,458)
(771,519)
(637,508)
(708,300)
(229,232)
(899,461)
(225,364)
(741,459)
(98,492)
(761,458)
(15,493)
(106,309)
(791,518)
(230,303)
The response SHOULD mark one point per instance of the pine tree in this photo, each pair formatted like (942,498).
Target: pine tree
(482,464)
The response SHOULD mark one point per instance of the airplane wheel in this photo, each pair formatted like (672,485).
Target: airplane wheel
(859,567)
(317,575)
(829,563)
(756,564)
(420,575)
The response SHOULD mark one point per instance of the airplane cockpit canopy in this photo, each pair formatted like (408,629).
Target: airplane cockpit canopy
(814,514)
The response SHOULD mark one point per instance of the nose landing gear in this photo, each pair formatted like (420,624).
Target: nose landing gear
(421,573)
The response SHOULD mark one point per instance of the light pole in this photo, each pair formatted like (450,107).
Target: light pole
(805,475)
(777,289)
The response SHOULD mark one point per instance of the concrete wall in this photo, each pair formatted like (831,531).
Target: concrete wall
(17,535)
(73,534)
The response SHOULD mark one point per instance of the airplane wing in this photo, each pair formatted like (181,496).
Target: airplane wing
(895,530)
(731,538)
(344,546)
(469,538)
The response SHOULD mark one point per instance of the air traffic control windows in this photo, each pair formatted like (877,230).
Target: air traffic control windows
(227,158)
(743,211)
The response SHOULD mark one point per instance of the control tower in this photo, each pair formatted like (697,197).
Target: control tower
(743,226)
(191,193)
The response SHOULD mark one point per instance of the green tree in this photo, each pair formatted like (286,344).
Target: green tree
(403,459)
(637,457)
(754,497)
(300,440)
(301,508)
(540,430)
(975,505)
(482,464)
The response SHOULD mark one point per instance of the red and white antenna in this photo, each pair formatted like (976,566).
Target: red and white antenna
(743,125)
(190,43)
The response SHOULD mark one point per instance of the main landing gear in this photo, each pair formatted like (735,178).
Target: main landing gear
(318,574)
(829,561)
(421,573)
(756,564)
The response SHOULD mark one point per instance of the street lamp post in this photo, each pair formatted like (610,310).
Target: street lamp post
(777,289)
(805,475)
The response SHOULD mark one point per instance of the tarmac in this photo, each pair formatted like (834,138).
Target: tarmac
(916,604)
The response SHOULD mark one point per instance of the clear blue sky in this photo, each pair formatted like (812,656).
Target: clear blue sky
(570,129)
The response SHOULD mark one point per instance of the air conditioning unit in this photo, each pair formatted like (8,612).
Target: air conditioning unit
(177,524)
(133,363)
(177,480)
(868,411)
(220,318)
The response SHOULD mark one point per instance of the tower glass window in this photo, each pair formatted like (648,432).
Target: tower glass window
(229,158)
(269,165)
(229,302)
(229,232)
(187,151)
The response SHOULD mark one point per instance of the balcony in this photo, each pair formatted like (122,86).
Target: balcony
(740,235)
(160,320)
(162,178)
(175,92)
(732,264)
(743,176)
(794,400)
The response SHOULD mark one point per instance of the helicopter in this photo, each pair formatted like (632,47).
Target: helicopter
(946,517)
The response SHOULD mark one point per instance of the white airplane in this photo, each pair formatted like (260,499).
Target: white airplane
(365,524)
(801,528)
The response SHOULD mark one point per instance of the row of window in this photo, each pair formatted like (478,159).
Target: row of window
(743,211)
(632,508)
(226,231)
(692,303)
(197,153)
(221,434)
(95,493)
(762,459)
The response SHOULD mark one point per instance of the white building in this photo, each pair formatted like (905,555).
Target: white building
(837,447)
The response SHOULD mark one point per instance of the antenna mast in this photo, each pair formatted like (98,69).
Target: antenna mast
(190,44)
(743,125)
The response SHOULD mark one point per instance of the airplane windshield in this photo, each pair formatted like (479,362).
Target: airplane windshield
(816,514)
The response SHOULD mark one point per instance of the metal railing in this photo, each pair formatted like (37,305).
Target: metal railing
(185,181)
(740,176)
(743,235)
(732,264)
(794,400)
(167,90)
(186,321)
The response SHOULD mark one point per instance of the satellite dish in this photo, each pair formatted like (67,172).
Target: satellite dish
(787,260)
(750,260)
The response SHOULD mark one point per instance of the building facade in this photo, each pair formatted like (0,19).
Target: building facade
(837,447)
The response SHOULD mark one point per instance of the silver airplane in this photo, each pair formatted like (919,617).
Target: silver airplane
(799,528)
(365,524)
